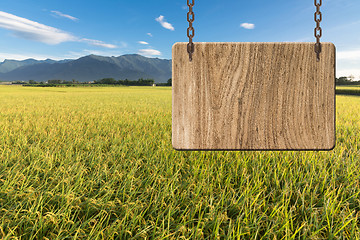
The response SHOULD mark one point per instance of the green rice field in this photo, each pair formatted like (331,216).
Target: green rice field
(97,163)
(348,90)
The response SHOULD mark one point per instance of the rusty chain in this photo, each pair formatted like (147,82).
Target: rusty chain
(190,30)
(318,30)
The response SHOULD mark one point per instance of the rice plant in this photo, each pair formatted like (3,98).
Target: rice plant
(97,163)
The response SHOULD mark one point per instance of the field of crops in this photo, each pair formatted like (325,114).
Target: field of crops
(348,87)
(348,90)
(97,163)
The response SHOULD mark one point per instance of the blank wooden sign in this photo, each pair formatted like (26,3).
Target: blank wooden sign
(253,96)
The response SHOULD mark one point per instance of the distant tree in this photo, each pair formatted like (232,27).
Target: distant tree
(346,81)
(18,82)
(67,82)
(169,82)
(55,81)
(144,82)
(342,80)
(106,81)
(126,82)
(32,82)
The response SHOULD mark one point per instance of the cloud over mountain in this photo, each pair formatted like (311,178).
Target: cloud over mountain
(164,24)
(30,30)
(149,52)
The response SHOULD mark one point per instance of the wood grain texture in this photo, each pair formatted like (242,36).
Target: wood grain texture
(253,96)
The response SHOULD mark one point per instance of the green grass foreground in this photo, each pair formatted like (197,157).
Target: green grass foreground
(97,163)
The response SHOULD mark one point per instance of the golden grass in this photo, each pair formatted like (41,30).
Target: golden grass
(97,163)
(354,87)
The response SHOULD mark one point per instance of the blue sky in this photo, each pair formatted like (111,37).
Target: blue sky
(61,29)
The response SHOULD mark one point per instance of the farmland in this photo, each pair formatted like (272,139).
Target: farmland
(348,87)
(97,163)
(348,90)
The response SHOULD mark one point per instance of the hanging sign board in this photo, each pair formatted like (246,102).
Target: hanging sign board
(253,96)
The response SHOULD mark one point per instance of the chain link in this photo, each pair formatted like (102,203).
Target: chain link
(190,30)
(318,30)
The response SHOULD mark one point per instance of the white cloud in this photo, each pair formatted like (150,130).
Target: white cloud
(143,42)
(122,45)
(348,55)
(78,54)
(149,34)
(348,63)
(23,56)
(247,25)
(349,72)
(165,24)
(68,55)
(97,43)
(24,28)
(149,52)
(60,14)
(30,30)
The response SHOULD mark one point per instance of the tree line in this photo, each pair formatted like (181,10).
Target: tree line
(140,82)
(104,81)
(126,82)
(346,81)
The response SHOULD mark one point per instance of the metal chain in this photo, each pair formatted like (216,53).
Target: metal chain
(190,30)
(318,30)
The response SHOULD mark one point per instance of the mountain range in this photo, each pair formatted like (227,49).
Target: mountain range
(88,68)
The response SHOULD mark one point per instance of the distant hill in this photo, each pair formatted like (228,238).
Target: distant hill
(88,68)
(9,65)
